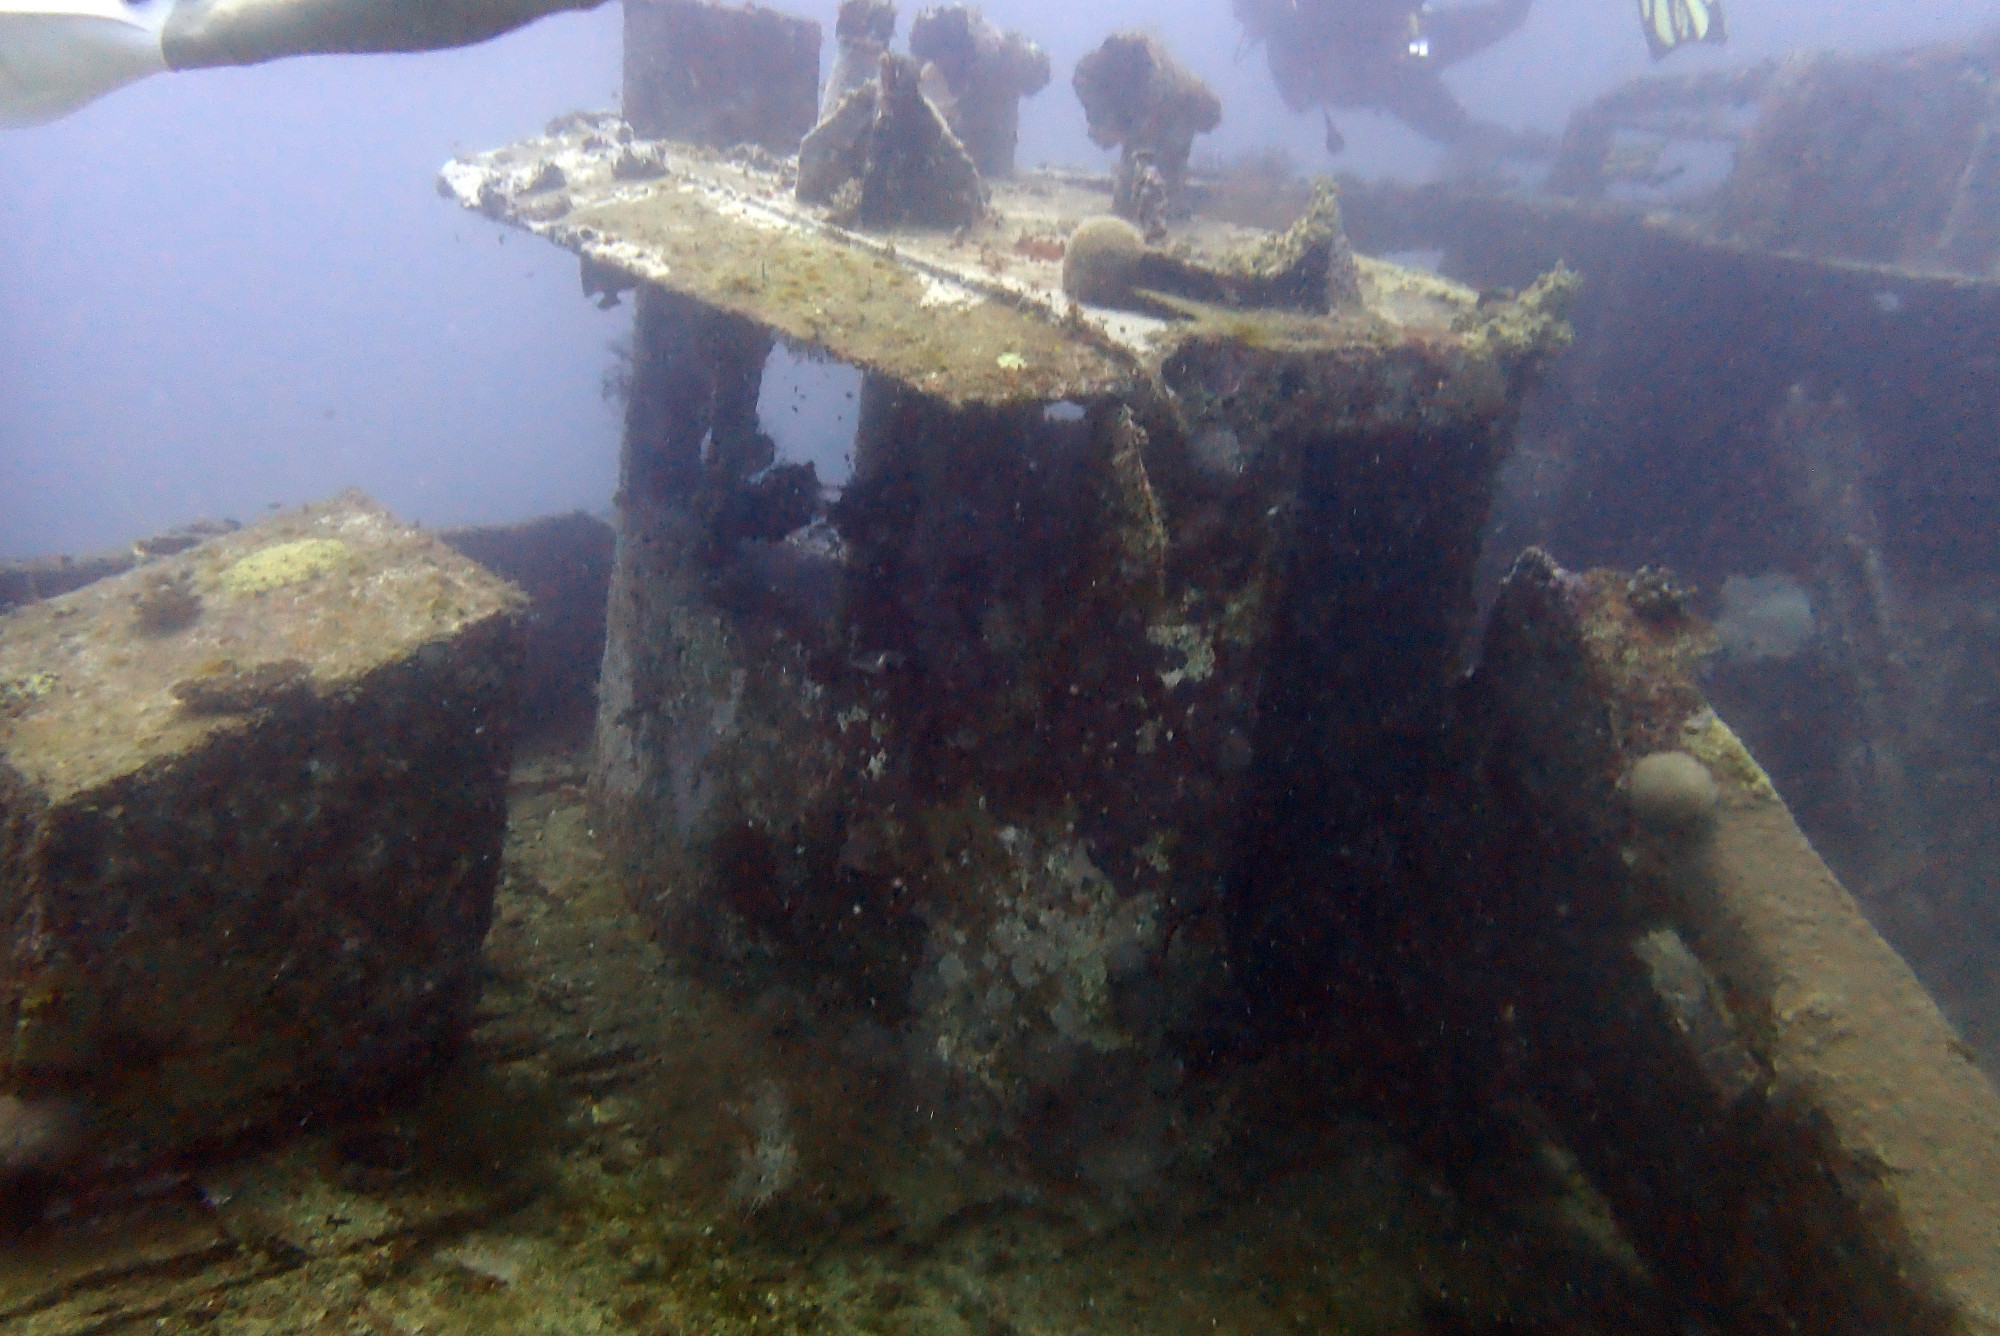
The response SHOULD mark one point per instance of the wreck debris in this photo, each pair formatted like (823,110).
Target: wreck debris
(1691,107)
(884,156)
(1891,158)
(1308,266)
(1823,1125)
(720,75)
(1807,418)
(988,72)
(1140,100)
(181,537)
(1809,175)
(974,754)
(765,256)
(1700,1012)
(861,37)
(973,765)
(1823,459)
(45,577)
(834,153)
(257,854)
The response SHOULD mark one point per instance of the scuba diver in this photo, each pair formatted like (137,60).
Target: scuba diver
(59,55)
(1390,55)
(1385,54)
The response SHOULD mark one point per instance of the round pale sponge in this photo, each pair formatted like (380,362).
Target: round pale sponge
(1101,262)
(1672,793)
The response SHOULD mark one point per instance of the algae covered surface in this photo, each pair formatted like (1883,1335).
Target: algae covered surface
(873,310)
(114,677)
(282,564)
(973,314)
(966,315)
(590,1165)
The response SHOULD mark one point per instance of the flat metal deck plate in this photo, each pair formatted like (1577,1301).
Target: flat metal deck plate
(972,315)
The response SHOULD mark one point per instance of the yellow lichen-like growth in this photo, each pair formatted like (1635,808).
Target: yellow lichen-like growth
(17,693)
(1716,745)
(283,564)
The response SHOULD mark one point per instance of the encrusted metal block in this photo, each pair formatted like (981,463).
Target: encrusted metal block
(251,806)
(720,75)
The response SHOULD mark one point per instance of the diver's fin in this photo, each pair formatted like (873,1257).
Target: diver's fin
(1670,23)
(58,55)
(1335,140)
